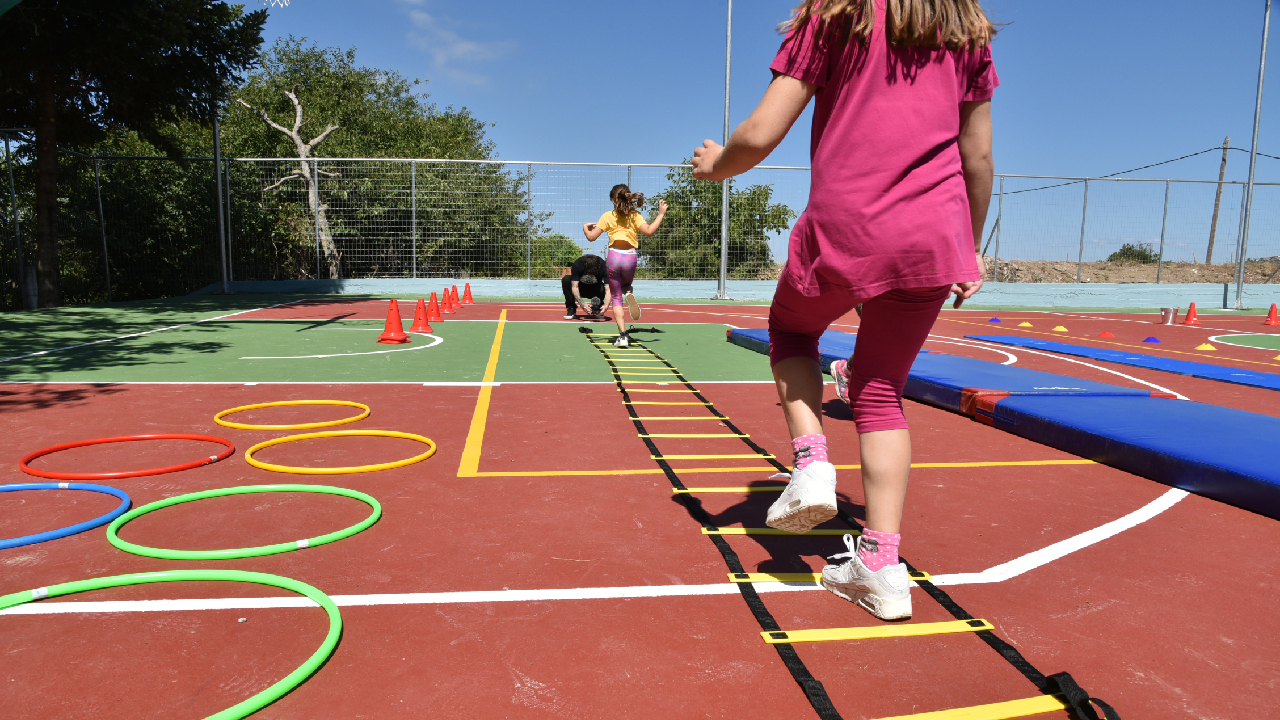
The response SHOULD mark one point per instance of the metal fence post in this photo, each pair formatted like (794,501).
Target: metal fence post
(722,291)
(1164,220)
(1253,162)
(629,177)
(231,266)
(315,220)
(102,225)
(995,275)
(1084,215)
(413,214)
(528,247)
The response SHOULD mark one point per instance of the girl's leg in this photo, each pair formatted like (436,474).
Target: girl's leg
(622,270)
(795,324)
(893,329)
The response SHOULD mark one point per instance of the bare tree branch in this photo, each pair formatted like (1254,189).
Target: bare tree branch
(282,180)
(263,115)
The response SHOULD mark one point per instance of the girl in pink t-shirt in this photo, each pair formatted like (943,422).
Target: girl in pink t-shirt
(901,179)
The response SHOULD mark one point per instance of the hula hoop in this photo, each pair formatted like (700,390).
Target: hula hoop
(127,473)
(262,699)
(70,529)
(300,426)
(167,554)
(248,454)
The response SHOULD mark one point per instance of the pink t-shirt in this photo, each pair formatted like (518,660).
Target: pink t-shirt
(887,204)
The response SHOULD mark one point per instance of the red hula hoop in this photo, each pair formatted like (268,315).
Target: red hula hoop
(127,473)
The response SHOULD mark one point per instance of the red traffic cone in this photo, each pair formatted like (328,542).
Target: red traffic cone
(420,322)
(446,306)
(1271,317)
(433,310)
(457,304)
(393,333)
(466,295)
(1191,316)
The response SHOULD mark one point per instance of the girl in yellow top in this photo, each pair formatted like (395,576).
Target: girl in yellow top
(622,223)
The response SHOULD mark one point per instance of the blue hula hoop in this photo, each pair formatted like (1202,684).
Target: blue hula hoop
(71,529)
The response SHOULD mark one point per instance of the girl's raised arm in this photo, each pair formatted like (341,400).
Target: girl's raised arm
(592,231)
(759,134)
(650,228)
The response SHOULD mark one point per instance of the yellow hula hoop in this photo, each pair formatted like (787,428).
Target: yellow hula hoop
(301,426)
(248,454)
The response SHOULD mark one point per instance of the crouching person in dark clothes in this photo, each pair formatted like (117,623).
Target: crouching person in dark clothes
(585,287)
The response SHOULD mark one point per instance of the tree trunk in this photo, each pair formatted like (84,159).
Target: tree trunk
(47,271)
(311,174)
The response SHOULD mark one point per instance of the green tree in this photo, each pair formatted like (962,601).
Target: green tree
(1134,252)
(688,243)
(75,69)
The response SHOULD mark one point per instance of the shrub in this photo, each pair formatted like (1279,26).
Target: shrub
(1134,252)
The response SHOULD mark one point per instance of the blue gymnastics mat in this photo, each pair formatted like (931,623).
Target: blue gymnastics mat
(1252,378)
(1209,450)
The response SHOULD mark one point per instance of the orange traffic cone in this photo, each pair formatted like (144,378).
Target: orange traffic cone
(466,295)
(1272,319)
(1191,316)
(393,333)
(457,304)
(420,322)
(446,306)
(433,310)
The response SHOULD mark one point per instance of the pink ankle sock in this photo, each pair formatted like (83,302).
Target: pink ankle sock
(809,448)
(878,549)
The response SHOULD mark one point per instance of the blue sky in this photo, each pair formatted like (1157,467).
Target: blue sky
(1089,88)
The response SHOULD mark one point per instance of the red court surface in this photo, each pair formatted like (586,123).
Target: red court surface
(560,577)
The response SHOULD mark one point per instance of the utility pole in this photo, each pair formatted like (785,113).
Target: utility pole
(1253,161)
(1217,201)
(722,292)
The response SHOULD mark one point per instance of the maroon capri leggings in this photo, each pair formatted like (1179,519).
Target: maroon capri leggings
(894,327)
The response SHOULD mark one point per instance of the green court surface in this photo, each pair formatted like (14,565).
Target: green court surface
(1266,342)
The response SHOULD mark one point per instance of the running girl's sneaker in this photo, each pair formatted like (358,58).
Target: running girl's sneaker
(839,373)
(633,306)
(809,499)
(885,594)
(622,341)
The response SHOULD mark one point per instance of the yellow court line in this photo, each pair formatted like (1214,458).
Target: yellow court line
(869,632)
(994,711)
(469,466)
(1132,348)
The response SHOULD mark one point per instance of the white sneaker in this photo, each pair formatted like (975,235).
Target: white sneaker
(570,317)
(885,594)
(809,499)
(633,306)
(622,341)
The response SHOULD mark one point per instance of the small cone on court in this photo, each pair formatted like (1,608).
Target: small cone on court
(1191,317)
(995,320)
(1206,346)
(1152,340)
(466,295)
(1272,318)
(457,304)
(446,307)
(1105,333)
(1025,324)
(393,332)
(1059,329)
(433,310)
(420,322)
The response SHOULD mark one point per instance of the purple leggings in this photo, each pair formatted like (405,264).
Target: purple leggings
(894,327)
(622,270)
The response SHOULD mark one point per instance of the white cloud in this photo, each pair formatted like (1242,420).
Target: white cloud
(452,55)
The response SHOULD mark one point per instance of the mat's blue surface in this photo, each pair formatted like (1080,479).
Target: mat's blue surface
(1213,451)
(1206,371)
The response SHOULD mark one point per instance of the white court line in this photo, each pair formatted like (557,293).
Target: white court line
(434,343)
(145,332)
(999,573)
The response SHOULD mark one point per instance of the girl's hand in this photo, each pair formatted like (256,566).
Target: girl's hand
(662,207)
(964,291)
(704,160)
(589,227)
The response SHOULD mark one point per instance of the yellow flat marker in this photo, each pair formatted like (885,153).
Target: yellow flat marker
(994,711)
(693,435)
(1025,324)
(709,417)
(753,488)
(773,531)
(1206,346)
(871,632)
(749,456)
(1059,329)
(915,576)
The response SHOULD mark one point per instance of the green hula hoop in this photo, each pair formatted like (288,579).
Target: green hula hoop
(228,554)
(262,699)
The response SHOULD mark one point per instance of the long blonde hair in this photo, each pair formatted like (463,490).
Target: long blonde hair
(953,24)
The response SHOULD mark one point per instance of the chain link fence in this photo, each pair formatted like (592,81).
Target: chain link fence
(134,228)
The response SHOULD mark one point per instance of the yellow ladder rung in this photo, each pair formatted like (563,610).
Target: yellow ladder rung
(682,390)
(753,488)
(915,575)
(774,531)
(692,435)
(751,456)
(994,711)
(871,632)
(655,382)
(651,402)
(666,373)
(677,417)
